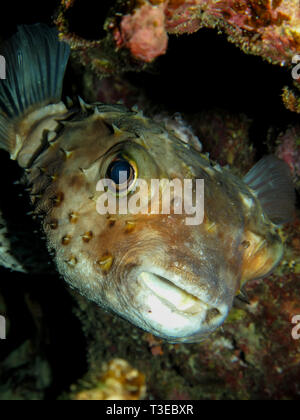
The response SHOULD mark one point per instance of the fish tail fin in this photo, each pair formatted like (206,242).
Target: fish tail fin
(271,181)
(35,65)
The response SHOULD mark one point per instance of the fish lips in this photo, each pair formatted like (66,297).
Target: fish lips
(178,311)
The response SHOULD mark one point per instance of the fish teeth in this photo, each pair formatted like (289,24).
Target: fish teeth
(168,291)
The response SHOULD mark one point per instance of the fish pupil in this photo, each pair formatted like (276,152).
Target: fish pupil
(116,168)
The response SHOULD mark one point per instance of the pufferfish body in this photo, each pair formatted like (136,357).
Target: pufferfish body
(175,280)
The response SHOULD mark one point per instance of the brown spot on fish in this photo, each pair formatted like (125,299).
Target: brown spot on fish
(66,240)
(76,182)
(53,224)
(87,237)
(105,262)
(211,227)
(58,199)
(54,177)
(73,217)
(67,154)
(245,244)
(72,261)
(111,223)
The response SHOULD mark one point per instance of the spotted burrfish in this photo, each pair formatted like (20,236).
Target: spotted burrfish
(173,279)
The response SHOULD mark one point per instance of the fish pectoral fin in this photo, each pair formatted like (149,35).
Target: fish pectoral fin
(261,256)
(270,180)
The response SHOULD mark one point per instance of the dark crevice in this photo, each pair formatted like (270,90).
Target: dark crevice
(86,18)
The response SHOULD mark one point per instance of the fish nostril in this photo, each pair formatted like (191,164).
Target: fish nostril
(211,315)
(111,223)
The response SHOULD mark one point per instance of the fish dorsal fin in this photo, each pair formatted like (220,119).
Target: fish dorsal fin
(36,62)
(271,181)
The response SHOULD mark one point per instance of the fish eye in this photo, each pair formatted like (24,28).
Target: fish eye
(122,172)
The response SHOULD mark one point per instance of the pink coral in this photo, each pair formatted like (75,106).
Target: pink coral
(289,149)
(144,32)
(269,28)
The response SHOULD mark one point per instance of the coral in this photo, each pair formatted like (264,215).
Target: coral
(100,55)
(136,32)
(289,150)
(262,27)
(268,28)
(144,33)
(119,381)
(291,99)
(154,344)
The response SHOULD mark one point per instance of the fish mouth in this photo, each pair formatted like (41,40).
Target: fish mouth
(199,313)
